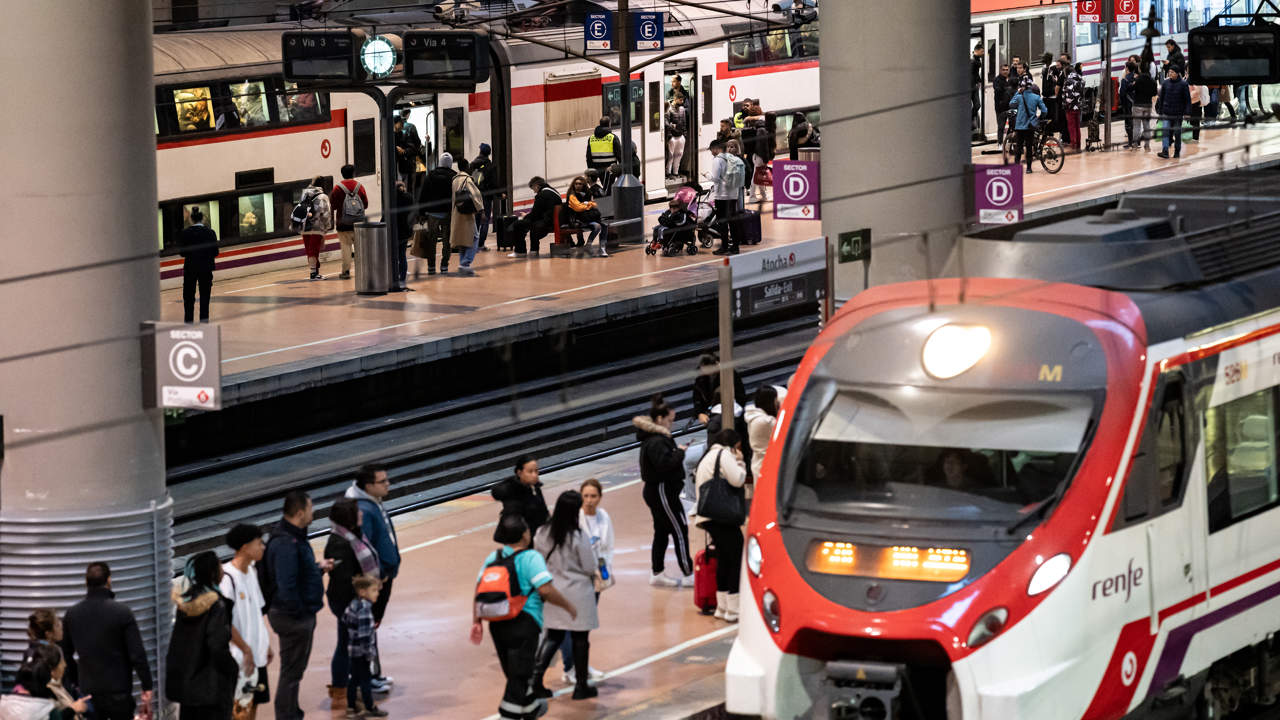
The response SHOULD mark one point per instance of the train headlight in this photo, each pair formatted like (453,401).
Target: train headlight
(952,349)
(1049,573)
(755,557)
(988,626)
(772,610)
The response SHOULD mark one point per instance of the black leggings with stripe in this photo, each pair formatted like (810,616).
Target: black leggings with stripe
(669,520)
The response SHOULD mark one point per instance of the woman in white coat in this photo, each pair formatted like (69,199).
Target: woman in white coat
(726,455)
(761,420)
(573,568)
(595,522)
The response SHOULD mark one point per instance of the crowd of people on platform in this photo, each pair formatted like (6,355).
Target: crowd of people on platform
(1152,101)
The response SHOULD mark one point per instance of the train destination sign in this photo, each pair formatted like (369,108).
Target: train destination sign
(181,366)
(769,280)
(446,59)
(321,54)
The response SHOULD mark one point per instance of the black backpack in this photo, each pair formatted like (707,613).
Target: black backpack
(266,580)
(300,219)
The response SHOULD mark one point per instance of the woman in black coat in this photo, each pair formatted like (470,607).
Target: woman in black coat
(345,538)
(200,670)
(662,470)
(521,494)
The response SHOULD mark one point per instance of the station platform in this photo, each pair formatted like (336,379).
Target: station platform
(282,332)
(662,658)
(1095,177)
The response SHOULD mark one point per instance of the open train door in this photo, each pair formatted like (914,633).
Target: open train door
(679,122)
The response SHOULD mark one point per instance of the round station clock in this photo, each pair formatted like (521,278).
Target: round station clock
(378,56)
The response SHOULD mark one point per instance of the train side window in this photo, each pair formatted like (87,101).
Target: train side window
(1240,458)
(364,146)
(1158,472)
(613,103)
(708,99)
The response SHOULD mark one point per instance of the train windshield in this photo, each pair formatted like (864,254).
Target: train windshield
(929,455)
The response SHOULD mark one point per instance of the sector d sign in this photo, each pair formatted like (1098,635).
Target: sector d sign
(797,190)
(997,193)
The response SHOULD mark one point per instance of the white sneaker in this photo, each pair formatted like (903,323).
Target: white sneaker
(687,581)
(661,580)
(593,676)
(517,255)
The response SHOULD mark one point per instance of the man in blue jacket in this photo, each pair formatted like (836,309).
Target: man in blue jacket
(369,490)
(1174,102)
(297,594)
(1031,110)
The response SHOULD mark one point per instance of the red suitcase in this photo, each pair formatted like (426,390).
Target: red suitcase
(704,581)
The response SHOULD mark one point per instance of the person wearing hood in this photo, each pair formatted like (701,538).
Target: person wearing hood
(200,672)
(353,556)
(436,202)
(485,173)
(369,490)
(1031,110)
(662,470)
(319,222)
(521,494)
(603,147)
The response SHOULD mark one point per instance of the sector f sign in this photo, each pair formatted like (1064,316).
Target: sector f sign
(1089,11)
(1126,11)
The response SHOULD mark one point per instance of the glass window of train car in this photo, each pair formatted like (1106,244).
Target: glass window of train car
(771,46)
(193,107)
(296,106)
(255,215)
(1240,458)
(946,456)
(613,103)
(249,101)
(1158,473)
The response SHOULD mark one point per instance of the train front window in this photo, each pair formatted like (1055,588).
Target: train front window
(926,455)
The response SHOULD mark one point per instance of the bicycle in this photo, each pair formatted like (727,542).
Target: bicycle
(1045,148)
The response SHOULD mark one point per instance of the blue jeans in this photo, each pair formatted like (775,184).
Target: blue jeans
(1172,131)
(340,666)
(482,222)
(468,253)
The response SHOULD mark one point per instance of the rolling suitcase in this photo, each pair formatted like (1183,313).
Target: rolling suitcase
(704,581)
(507,231)
(750,224)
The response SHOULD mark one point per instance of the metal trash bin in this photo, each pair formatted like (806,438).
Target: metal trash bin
(373,259)
(809,154)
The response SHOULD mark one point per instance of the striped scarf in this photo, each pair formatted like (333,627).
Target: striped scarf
(365,554)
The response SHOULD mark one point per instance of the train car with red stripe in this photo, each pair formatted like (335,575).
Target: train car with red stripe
(1047,490)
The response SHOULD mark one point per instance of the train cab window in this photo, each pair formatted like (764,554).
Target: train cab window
(1240,458)
(938,456)
(1159,468)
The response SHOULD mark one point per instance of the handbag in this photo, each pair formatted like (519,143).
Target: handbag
(718,501)
(763,176)
(418,245)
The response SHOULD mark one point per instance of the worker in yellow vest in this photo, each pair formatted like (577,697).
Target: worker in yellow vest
(603,147)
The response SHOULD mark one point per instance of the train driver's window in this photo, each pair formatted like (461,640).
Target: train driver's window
(1159,467)
(1240,458)
(1171,447)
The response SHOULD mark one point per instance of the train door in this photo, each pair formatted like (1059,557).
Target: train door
(419,137)
(680,122)
(977,101)
(997,56)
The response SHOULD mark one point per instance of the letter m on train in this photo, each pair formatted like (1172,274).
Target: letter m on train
(1050,374)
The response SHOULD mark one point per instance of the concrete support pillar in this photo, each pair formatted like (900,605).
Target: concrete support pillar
(83,475)
(900,171)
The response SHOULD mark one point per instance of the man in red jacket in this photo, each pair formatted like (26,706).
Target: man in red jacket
(344,214)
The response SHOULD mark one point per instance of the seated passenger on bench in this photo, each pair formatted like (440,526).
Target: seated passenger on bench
(539,221)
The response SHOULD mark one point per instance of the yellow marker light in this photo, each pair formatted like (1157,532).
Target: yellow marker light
(898,562)
(952,349)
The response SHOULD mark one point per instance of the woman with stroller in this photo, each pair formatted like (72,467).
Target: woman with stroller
(584,213)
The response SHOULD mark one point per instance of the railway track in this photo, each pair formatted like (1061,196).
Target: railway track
(453,449)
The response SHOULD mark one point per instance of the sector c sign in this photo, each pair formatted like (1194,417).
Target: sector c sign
(181,366)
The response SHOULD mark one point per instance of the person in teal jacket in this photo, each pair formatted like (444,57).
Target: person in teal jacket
(1031,109)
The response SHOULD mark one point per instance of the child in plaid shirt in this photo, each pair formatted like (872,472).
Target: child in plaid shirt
(362,646)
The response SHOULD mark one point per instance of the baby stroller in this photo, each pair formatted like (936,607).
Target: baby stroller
(700,205)
(676,231)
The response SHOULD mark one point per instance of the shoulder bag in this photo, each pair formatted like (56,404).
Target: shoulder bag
(718,501)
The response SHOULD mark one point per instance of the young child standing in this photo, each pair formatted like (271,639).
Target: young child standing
(362,646)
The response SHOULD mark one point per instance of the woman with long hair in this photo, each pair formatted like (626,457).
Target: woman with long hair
(583,212)
(761,420)
(573,568)
(352,557)
(200,670)
(724,460)
(662,470)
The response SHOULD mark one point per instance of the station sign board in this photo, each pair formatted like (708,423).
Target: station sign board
(765,281)
(181,366)
(597,30)
(321,54)
(1088,11)
(1126,11)
(797,190)
(647,31)
(446,59)
(853,246)
(997,193)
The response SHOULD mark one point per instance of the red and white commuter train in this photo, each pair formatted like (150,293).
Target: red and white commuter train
(1049,498)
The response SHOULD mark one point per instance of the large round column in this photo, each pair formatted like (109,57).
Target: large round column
(900,171)
(82,477)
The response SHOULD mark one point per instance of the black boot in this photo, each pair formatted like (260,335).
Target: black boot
(582,668)
(546,651)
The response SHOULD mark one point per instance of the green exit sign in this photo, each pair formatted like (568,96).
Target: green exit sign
(855,245)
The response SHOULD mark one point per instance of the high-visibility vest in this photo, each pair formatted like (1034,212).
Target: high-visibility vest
(738,120)
(601,149)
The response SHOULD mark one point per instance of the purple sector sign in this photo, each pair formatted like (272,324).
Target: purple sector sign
(797,192)
(997,193)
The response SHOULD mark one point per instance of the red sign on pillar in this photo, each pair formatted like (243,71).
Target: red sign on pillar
(1126,11)
(1088,11)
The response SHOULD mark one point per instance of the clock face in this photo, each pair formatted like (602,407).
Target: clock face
(378,56)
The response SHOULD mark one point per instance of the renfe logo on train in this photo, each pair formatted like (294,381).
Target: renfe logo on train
(1125,583)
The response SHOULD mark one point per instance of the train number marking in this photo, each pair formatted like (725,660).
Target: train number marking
(1129,668)
(1050,374)
(1125,583)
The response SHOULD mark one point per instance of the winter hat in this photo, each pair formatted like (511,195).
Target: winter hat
(446,161)
(485,150)
(242,535)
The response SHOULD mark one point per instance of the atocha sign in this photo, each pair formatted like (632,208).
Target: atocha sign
(768,280)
